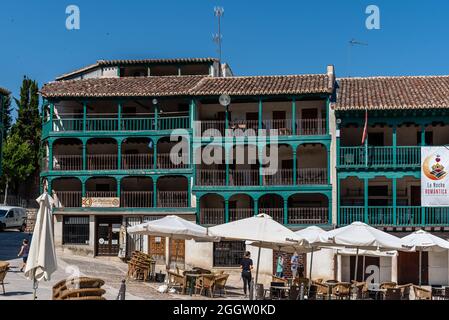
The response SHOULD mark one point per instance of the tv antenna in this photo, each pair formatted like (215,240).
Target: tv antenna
(352,43)
(219,13)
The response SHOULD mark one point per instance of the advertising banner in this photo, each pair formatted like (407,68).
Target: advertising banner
(434,177)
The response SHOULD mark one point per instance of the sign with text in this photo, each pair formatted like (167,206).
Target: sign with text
(434,177)
(101,202)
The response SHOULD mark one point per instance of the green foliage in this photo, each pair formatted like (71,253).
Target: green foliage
(6,116)
(17,153)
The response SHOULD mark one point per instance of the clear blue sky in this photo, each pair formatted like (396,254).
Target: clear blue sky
(260,37)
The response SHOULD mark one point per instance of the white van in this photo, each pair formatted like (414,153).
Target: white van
(12,218)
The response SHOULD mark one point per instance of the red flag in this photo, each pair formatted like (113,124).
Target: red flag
(365,128)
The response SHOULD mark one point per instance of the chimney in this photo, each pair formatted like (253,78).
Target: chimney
(331,75)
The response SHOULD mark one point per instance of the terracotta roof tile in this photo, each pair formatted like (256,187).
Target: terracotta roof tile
(189,85)
(419,92)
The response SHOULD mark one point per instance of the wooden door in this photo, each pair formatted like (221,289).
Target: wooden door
(408,268)
(156,248)
(177,250)
(362,274)
(108,236)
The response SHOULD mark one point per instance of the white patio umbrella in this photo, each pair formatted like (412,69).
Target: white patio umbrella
(261,230)
(361,236)
(172,227)
(425,241)
(42,256)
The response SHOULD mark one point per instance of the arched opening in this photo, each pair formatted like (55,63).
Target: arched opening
(172,192)
(67,154)
(172,154)
(136,192)
(211,170)
(101,187)
(244,167)
(69,191)
(308,208)
(312,164)
(102,154)
(137,154)
(212,209)
(241,206)
(278,165)
(273,205)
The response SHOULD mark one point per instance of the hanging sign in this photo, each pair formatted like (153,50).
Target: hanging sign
(101,202)
(434,177)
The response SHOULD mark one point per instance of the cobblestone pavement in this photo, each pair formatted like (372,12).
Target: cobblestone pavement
(111,270)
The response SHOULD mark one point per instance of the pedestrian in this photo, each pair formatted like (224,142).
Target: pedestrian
(280,266)
(294,261)
(247,265)
(24,250)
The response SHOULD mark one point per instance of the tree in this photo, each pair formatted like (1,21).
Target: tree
(17,166)
(6,116)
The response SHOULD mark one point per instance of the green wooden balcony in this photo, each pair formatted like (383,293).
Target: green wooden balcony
(379,157)
(401,216)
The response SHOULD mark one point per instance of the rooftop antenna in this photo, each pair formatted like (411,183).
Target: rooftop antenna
(352,43)
(218,12)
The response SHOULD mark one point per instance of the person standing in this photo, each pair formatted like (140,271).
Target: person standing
(294,264)
(247,265)
(280,266)
(24,250)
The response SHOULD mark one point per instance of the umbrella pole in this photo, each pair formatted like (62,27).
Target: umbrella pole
(35,285)
(420,266)
(356,264)
(257,268)
(363,269)
(310,271)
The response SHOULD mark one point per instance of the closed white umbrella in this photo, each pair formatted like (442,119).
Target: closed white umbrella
(261,230)
(42,256)
(172,227)
(425,241)
(361,236)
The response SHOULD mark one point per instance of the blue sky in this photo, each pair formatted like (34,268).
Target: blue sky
(260,37)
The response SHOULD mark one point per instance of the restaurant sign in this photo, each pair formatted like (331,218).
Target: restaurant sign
(101,202)
(434,177)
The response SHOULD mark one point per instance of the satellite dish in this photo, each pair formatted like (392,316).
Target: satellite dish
(224,100)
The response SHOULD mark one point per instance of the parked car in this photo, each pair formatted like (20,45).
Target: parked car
(12,218)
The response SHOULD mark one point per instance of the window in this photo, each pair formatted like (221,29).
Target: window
(75,230)
(228,253)
(10,214)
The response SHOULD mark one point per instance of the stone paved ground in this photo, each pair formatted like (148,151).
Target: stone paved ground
(111,270)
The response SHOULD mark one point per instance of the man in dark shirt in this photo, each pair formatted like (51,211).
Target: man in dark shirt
(247,265)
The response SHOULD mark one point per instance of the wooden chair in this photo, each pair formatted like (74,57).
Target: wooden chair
(65,286)
(205,282)
(322,290)
(87,298)
(388,285)
(422,294)
(277,279)
(79,293)
(405,291)
(362,290)
(176,280)
(4,267)
(220,282)
(293,293)
(393,294)
(342,290)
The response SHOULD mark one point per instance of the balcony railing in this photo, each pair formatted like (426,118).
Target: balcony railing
(379,157)
(277,177)
(68,162)
(281,127)
(172,199)
(240,213)
(101,194)
(172,161)
(212,216)
(312,176)
(136,199)
(110,122)
(311,127)
(303,216)
(244,177)
(137,161)
(70,199)
(102,162)
(276,213)
(210,177)
(210,128)
(387,216)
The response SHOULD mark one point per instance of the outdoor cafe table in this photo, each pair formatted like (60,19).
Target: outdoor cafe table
(280,291)
(191,277)
(331,284)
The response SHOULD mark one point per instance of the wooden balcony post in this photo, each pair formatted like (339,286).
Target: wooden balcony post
(192,117)
(394,187)
(226,203)
(394,146)
(119,154)
(260,115)
(52,110)
(84,155)
(294,168)
(84,116)
(260,157)
(294,116)
(366,151)
(327,114)
(50,154)
(155,154)
(285,211)
(423,135)
(49,184)
(365,197)
(338,213)
(156,117)
(118,181)
(227,165)
(154,193)
(119,117)
(256,207)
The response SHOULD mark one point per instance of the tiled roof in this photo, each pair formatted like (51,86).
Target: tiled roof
(423,92)
(122,87)
(123,62)
(265,85)
(4,92)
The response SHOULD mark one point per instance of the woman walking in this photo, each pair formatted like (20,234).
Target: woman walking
(24,250)
(247,265)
